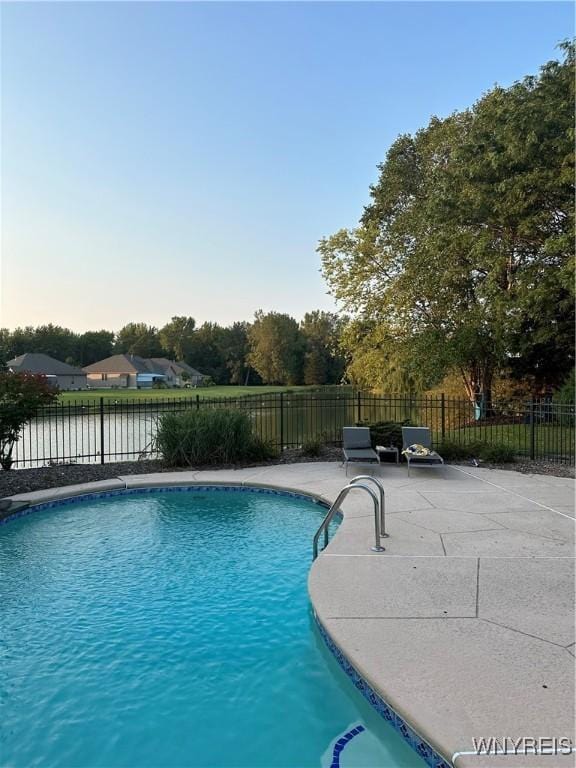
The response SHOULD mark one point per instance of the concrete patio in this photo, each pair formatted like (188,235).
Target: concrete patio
(465,624)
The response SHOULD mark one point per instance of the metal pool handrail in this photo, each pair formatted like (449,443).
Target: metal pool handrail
(383,534)
(334,508)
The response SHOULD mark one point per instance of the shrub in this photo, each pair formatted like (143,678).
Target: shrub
(566,393)
(452,451)
(312,448)
(21,394)
(495,453)
(204,437)
(386,433)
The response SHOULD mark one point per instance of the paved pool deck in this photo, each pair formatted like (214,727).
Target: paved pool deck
(465,624)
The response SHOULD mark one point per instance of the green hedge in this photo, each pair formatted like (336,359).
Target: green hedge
(495,453)
(209,437)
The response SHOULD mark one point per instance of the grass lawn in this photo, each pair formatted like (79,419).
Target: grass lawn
(167,394)
(548,438)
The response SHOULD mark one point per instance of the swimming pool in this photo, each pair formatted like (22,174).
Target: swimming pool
(173,629)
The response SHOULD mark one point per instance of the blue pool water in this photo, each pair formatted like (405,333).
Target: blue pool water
(164,630)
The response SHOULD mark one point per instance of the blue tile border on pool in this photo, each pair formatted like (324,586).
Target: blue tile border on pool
(342,742)
(157,489)
(432,758)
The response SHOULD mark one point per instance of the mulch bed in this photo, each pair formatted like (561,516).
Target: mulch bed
(25,480)
(536,467)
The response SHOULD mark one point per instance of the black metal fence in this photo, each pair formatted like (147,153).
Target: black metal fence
(104,429)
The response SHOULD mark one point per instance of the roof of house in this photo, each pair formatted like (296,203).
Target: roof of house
(177,367)
(118,364)
(36,362)
(124,364)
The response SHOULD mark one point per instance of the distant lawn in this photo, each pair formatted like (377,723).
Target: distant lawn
(548,438)
(177,394)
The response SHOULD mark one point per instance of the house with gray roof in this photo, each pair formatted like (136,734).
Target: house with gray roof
(178,374)
(126,371)
(59,374)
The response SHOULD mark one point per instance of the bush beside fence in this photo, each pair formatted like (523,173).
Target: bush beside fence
(104,430)
(200,438)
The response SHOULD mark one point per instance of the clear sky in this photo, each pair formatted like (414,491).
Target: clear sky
(162,158)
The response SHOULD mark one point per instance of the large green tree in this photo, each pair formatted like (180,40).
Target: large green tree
(176,337)
(234,347)
(60,343)
(94,346)
(19,341)
(464,258)
(206,352)
(6,348)
(324,362)
(138,339)
(276,348)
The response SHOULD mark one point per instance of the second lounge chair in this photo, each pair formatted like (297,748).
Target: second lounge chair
(419,436)
(357,446)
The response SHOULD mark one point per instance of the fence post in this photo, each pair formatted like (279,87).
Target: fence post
(358,407)
(533,428)
(101,430)
(443,412)
(281,422)
(197,402)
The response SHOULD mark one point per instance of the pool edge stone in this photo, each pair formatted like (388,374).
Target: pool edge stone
(21,505)
(34,498)
(418,743)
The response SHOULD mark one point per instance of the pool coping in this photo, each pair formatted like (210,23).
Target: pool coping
(21,504)
(433,754)
(23,510)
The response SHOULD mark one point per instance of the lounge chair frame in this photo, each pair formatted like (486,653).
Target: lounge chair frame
(421,436)
(357,447)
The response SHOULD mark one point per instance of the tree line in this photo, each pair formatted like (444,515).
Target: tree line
(273,349)
(463,261)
